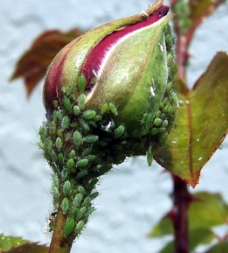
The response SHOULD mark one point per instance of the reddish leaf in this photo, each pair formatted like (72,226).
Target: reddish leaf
(201,123)
(199,10)
(33,63)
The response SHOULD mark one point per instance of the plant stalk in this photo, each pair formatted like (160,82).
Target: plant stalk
(180,215)
(59,243)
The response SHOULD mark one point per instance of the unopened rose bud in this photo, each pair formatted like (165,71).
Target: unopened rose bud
(108,95)
(127,62)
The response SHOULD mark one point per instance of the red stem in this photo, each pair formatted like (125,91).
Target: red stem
(182,199)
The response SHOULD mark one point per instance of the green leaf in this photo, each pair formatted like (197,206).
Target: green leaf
(6,242)
(220,247)
(203,111)
(197,237)
(32,65)
(206,211)
(9,244)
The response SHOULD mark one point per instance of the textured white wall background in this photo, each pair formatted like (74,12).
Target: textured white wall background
(133,196)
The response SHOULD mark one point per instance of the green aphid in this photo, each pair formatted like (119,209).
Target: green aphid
(92,183)
(104,108)
(77,110)
(65,122)
(64,173)
(81,213)
(55,104)
(59,133)
(69,227)
(66,103)
(79,226)
(72,154)
(77,200)
(98,118)
(94,195)
(65,205)
(82,163)
(149,157)
(87,151)
(157,122)
(70,163)
(77,139)
(55,180)
(59,115)
(84,124)
(81,83)
(90,138)
(81,190)
(66,188)
(163,116)
(74,124)
(154,131)
(163,137)
(143,132)
(119,131)
(87,201)
(81,101)
(55,193)
(149,119)
(53,127)
(165,123)
(43,133)
(92,123)
(113,108)
(162,130)
(81,174)
(89,114)
(58,143)
(90,158)
(75,212)
(67,136)
(60,158)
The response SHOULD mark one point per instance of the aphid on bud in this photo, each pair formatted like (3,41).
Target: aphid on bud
(82,163)
(65,205)
(90,138)
(60,158)
(55,180)
(64,173)
(118,132)
(70,163)
(113,108)
(149,156)
(77,200)
(89,114)
(87,151)
(77,110)
(81,83)
(81,102)
(66,103)
(81,174)
(55,193)
(65,122)
(66,188)
(104,108)
(157,122)
(58,143)
(81,213)
(87,201)
(72,154)
(69,227)
(79,226)
(84,125)
(81,190)
(98,118)
(77,139)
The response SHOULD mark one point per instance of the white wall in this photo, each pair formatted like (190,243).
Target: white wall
(133,196)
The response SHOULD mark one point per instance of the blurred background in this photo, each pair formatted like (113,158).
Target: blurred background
(133,196)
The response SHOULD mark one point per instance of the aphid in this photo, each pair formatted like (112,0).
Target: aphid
(82,163)
(113,108)
(65,205)
(66,187)
(77,200)
(90,138)
(81,83)
(69,227)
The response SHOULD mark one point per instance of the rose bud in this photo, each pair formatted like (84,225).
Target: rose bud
(109,95)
